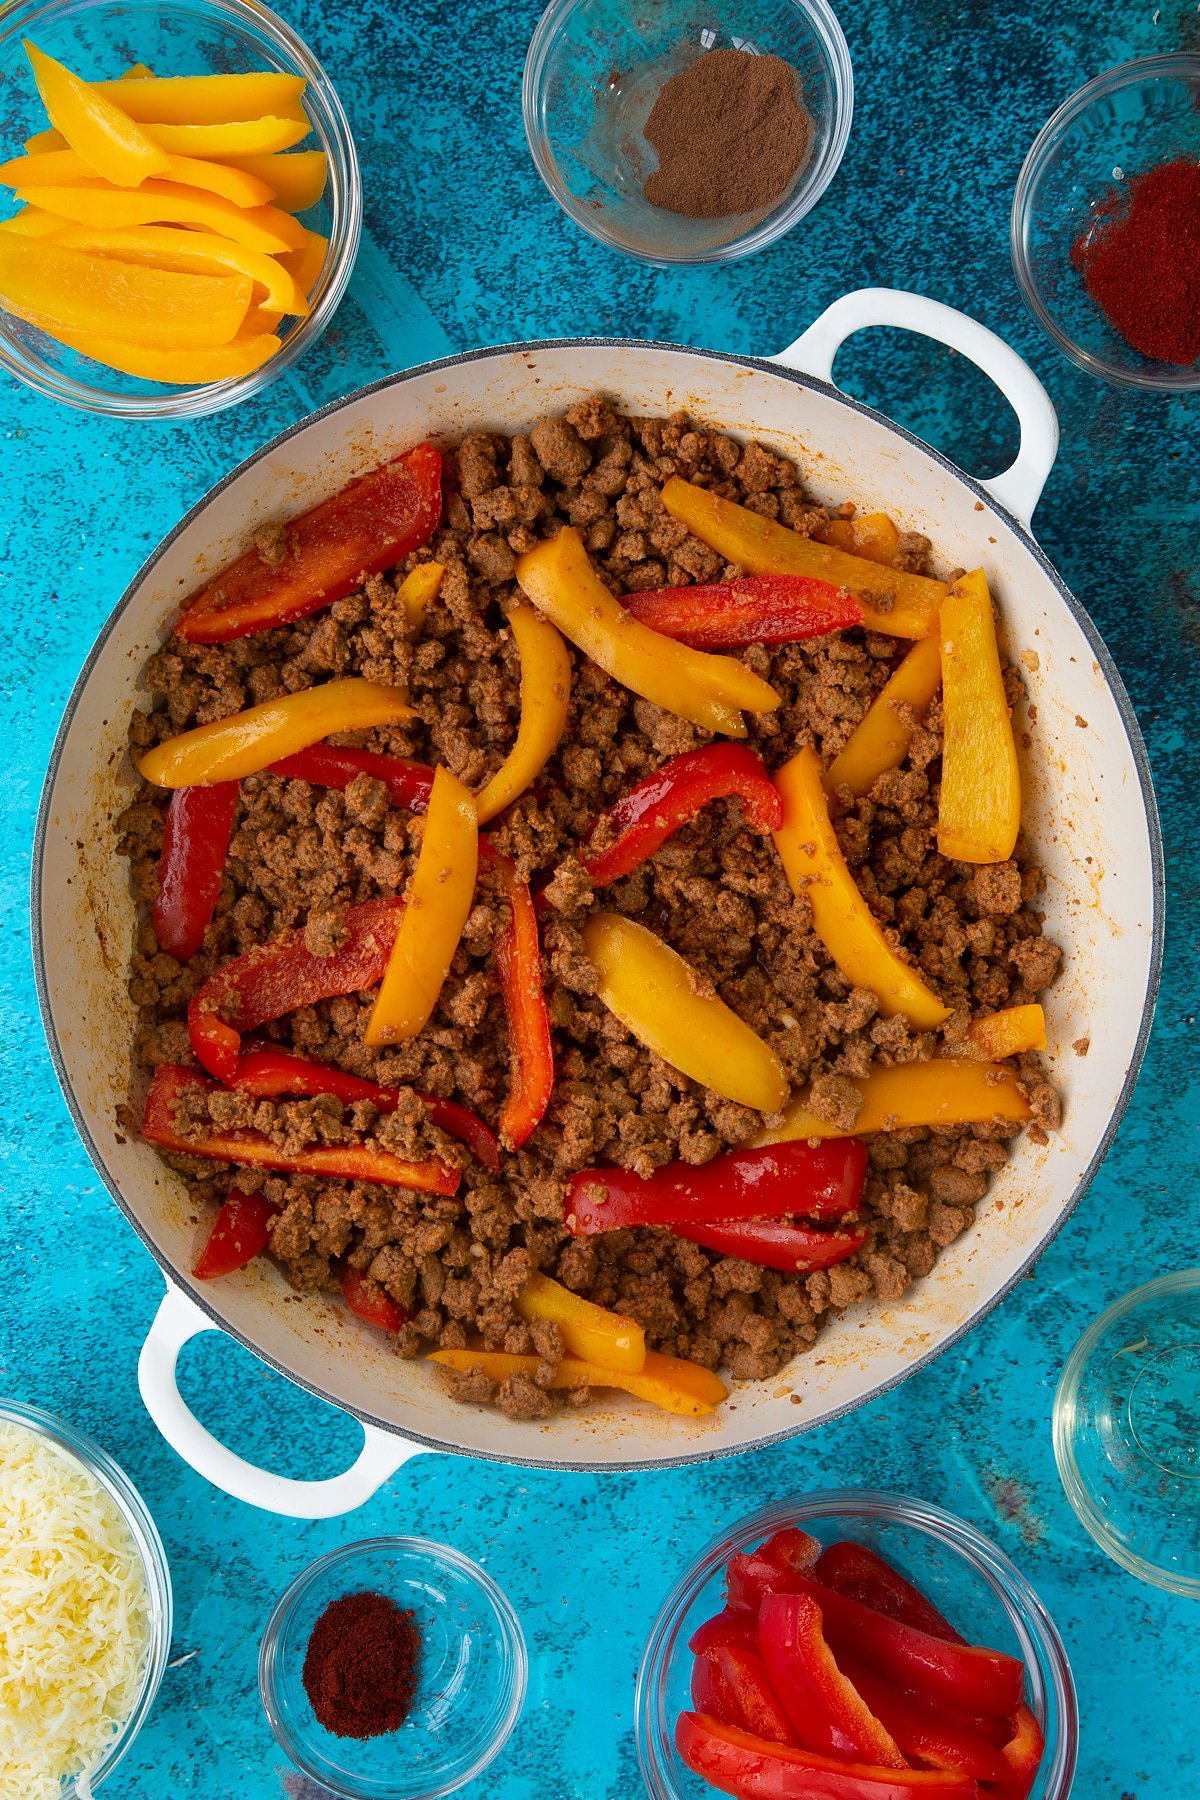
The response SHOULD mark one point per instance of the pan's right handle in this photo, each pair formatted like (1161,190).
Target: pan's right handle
(177,1320)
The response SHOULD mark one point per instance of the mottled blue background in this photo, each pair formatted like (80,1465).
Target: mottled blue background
(463,247)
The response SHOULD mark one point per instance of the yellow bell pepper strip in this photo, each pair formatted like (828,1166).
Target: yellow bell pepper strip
(880,740)
(1008,1033)
(167,203)
(545,697)
(872,535)
(979,812)
(306,263)
(229,749)
(709,690)
(206,99)
(238,137)
(138,71)
(41,281)
(437,902)
(190,253)
(104,136)
(815,866)
(665,1004)
(948,1091)
(32,222)
(44,140)
(588,1331)
(418,591)
(297,180)
(181,368)
(666,1381)
(65,166)
(760,546)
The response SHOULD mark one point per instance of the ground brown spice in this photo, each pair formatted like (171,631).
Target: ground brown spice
(730,134)
(360,1668)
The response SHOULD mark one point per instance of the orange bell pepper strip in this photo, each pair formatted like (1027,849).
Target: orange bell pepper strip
(872,535)
(880,740)
(168,202)
(437,902)
(95,128)
(183,368)
(588,1331)
(251,740)
(979,812)
(808,848)
(41,281)
(297,180)
(1008,1033)
(558,577)
(188,253)
(236,185)
(760,546)
(519,968)
(665,1004)
(206,99)
(306,263)
(666,1381)
(418,591)
(238,137)
(545,697)
(949,1091)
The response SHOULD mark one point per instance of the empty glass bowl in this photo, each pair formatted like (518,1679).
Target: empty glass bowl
(592,75)
(1124,122)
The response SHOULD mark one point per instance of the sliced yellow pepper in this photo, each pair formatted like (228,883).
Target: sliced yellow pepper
(239,137)
(668,1007)
(709,690)
(880,740)
(436,905)
(297,181)
(206,99)
(182,368)
(168,202)
(237,186)
(950,1091)
(104,136)
(979,812)
(306,263)
(667,1381)
(808,848)
(45,140)
(39,280)
(248,741)
(872,535)
(762,547)
(545,697)
(589,1331)
(188,252)
(418,591)
(1007,1033)
(32,222)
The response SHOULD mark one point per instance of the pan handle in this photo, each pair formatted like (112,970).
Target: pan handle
(1019,488)
(177,1320)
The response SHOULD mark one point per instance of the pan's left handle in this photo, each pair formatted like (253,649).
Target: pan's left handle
(177,1320)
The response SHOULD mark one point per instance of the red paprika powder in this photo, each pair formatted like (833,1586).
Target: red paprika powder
(1141,262)
(360,1668)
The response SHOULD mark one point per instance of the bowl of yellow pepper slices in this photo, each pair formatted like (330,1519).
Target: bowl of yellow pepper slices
(181,203)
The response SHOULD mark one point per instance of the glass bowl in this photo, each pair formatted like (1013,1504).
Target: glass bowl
(100,1465)
(100,38)
(471,1676)
(967,1577)
(1121,123)
(1127,1432)
(592,74)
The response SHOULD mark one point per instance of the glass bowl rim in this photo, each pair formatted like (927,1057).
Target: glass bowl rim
(1168,64)
(1025,1610)
(345,178)
(437,1553)
(137,1516)
(825,26)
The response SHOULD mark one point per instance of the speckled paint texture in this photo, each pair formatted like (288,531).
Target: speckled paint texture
(464,248)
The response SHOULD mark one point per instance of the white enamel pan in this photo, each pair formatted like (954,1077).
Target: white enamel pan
(1089,810)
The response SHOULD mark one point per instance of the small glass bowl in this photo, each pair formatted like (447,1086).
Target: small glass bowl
(125,1497)
(967,1577)
(592,74)
(99,38)
(1127,1432)
(1120,124)
(471,1676)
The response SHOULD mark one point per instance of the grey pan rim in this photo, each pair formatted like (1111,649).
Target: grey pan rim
(179,1278)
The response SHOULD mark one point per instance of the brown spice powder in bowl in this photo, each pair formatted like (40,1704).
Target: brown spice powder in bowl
(731,135)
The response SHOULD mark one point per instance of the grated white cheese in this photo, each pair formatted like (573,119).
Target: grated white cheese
(74,1619)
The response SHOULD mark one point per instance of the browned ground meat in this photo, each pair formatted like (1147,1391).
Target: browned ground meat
(716,892)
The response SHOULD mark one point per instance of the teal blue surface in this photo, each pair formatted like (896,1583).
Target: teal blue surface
(464,248)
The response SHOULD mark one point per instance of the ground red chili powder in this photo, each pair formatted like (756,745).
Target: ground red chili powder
(730,135)
(1141,263)
(360,1668)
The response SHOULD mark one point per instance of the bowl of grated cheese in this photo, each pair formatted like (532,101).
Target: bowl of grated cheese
(85,1609)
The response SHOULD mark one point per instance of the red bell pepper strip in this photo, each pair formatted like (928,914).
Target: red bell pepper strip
(712,1694)
(371,525)
(195,845)
(774,1244)
(643,819)
(270,1072)
(408,783)
(754,1769)
(858,1573)
(809,1181)
(519,967)
(750,1575)
(1022,1755)
(371,1302)
(253,1150)
(925,1733)
(755,609)
(754,1699)
(240,1232)
(824,1709)
(723,1628)
(272,979)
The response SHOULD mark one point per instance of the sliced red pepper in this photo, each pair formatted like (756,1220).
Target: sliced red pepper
(755,609)
(408,783)
(271,1072)
(371,1302)
(751,1575)
(643,819)
(1023,1755)
(712,1694)
(530,1049)
(272,979)
(757,1706)
(195,845)
(754,1769)
(925,1733)
(861,1575)
(809,1181)
(723,1628)
(824,1709)
(253,1150)
(241,1231)
(774,1244)
(369,526)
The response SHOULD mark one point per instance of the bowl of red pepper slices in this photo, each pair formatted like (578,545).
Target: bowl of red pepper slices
(855,1645)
